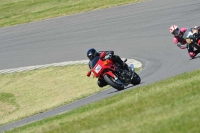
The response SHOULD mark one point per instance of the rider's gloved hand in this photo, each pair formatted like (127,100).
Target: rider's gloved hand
(111,52)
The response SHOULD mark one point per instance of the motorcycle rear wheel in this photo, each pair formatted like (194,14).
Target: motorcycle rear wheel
(112,83)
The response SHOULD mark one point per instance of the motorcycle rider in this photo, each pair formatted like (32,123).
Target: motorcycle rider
(181,42)
(92,53)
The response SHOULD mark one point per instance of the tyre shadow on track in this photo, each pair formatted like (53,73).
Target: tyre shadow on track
(128,87)
(195,58)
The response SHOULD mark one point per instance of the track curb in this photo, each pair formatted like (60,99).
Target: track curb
(136,63)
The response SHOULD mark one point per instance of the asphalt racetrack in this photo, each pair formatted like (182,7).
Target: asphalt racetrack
(135,31)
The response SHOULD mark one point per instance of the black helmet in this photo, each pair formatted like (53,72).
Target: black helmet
(91,53)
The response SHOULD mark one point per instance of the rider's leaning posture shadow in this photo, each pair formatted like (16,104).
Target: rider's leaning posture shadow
(195,58)
(128,87)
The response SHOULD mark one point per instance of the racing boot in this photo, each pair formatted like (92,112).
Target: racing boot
(196,46)
(196,52)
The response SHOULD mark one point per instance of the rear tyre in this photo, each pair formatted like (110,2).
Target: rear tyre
(111,82)
(136,79)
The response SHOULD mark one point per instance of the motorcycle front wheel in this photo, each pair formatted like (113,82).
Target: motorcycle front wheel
(112,83)
(136,79)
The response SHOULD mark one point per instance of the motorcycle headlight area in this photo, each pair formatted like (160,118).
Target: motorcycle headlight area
(97,68)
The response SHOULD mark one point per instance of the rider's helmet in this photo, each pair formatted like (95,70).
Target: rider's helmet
(91,53)
(174,30)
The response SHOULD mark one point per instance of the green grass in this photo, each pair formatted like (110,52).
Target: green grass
(13,12)
(27,93)
(169,106)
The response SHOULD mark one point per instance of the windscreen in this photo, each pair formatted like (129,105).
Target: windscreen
(94,61)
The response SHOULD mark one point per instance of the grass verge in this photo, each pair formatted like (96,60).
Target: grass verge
(169,106)
(13,12)
(27,93)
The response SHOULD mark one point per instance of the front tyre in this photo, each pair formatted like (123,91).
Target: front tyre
(112,83)
(136,79)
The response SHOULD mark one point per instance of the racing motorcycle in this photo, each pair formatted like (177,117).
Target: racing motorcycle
(112,73)
(192,37)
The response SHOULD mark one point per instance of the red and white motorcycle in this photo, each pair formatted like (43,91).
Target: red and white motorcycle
(112,73)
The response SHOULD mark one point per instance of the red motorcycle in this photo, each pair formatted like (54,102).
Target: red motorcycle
(112,73)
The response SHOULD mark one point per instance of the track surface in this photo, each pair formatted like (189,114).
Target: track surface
(139,31)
